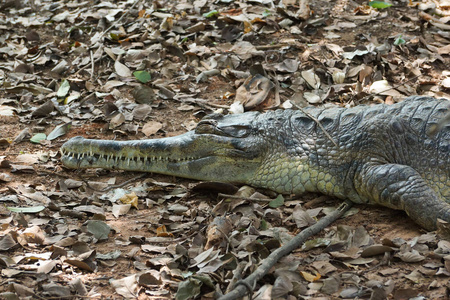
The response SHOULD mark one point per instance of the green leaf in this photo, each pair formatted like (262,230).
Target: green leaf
(38,137)
(211,14)
(27,210)
(379,4)
(188,289)
(277,202)
(142,76)
(266,13)
(399,41)
(99,229)
(110,255)
(63,89)
(58,131)
(264,225)
(114,37)
(205,279)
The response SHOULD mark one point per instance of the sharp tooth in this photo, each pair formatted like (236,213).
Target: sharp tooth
(128,161)
(145,159)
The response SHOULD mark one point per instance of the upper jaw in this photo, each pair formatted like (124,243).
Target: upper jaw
(136,155)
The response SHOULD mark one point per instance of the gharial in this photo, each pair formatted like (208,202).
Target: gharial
(381,154)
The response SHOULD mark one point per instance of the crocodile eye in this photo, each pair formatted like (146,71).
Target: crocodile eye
(206,126)
(238,131)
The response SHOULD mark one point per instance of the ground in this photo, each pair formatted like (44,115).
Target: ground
(72,64)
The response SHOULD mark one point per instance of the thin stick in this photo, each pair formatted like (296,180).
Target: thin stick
(318,123)
(87,65)
(114,186)
(236,276)
(392,88)
(93,64)
(121,17)
(243,198)
(241,288)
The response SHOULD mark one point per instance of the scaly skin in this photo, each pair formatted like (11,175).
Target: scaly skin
(383,155)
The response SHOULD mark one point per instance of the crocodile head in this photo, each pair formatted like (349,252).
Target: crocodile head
(221,148)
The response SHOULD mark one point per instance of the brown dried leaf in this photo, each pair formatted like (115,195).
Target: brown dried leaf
(151,128)
(310,277)
(118,210)
(121,69)
(411,256)
(301,217)
(143,94)
(281,287)
(218,231)
(7,243)
(375,250)
(131,199)
(5,177)
(116,121)
(44,110)
(162,232)
(254,91)
(323,267)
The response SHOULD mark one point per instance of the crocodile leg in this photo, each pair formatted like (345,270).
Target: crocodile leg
(401,187)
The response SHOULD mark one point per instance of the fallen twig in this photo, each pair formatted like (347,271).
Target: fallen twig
(236,276)
(114,186)
(120,19)
(241,287)
(391,88)
(318,123)
(243,198)
(92,64)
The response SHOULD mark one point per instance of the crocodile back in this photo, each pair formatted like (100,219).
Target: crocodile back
(401,134)
(338,141)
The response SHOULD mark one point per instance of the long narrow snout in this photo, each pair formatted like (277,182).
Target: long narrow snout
(189,155)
